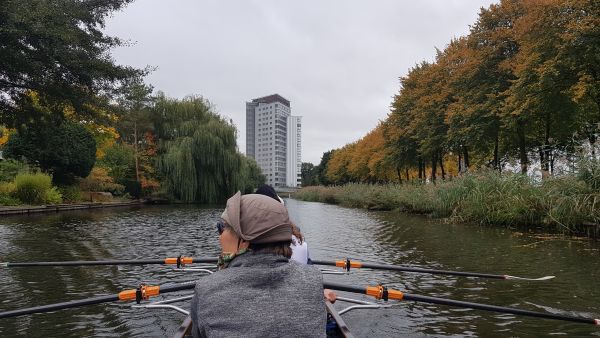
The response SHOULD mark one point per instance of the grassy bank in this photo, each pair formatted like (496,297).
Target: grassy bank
(568,204)
(23,185)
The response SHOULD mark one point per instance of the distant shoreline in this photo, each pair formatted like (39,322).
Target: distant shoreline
(559,205)
(31,209)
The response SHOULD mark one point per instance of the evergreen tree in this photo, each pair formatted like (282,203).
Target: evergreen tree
(65,150)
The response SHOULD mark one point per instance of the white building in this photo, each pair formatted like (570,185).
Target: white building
(294,158)
(273,140)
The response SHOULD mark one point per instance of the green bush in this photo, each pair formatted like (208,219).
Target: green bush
(70,193)
(35,189)
(133,188)
(7,190)
(100,181)
(9,169)
(53,196)
(8,200)
(119,161)
(589,172)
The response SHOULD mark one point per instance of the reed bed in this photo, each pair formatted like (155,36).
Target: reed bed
(568,204)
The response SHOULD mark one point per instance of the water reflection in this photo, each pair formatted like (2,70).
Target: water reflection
(332,232)
(418,241)
(119,234)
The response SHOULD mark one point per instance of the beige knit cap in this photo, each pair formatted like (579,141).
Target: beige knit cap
(258,218)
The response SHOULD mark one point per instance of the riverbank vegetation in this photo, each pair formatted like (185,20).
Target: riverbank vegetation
(518,94)
(568,204)
(75,126)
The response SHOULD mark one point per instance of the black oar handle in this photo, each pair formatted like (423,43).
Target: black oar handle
(105,262)
(478,306)
(84,302)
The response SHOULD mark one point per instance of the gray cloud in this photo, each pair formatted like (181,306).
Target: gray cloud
(337,61)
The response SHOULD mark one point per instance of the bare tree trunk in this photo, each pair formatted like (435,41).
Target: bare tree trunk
(592,139)
(135,147)
(496,146)
(459,163)
(442,167)
(541,153)
(399,175)
(407,177)
(466,157)
(546,150)
(522,147)
(433,168)
(544,161)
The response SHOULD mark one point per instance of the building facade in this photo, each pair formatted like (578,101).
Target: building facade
(294,158)
(270,141)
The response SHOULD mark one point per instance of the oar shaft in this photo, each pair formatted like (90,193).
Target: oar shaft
(431,271)
(344,287)
(88,263)
(107,262)
(355,264)
(471,305)
(84,302)
(59,306)
(494,308)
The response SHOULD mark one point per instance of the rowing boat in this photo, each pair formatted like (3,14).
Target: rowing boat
(336,327)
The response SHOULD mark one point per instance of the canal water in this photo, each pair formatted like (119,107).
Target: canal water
(332,232)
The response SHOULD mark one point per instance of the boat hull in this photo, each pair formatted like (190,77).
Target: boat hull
(340,328)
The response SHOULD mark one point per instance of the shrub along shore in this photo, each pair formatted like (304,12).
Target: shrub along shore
(568,204)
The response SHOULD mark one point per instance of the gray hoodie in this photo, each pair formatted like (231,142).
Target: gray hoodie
(260,295)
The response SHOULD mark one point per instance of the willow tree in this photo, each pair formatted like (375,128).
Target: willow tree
(197,157)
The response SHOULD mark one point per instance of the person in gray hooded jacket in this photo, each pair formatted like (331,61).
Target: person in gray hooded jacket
(258,292)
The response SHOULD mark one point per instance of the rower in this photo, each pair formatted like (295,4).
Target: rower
(299,245)
(257,293)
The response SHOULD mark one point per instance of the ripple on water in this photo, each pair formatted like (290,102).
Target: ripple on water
(332,232)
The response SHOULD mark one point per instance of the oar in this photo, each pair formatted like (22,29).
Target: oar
(170,260)
(141,293)
(381,292)
(347,264)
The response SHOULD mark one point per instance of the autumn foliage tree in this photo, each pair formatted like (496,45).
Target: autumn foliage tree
(520,88)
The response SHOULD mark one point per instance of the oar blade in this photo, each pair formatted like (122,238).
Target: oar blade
(528,279)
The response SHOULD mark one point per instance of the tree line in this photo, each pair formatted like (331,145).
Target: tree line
(520,88)
(69,110)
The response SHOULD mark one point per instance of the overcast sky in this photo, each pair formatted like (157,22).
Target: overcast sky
(337,61)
